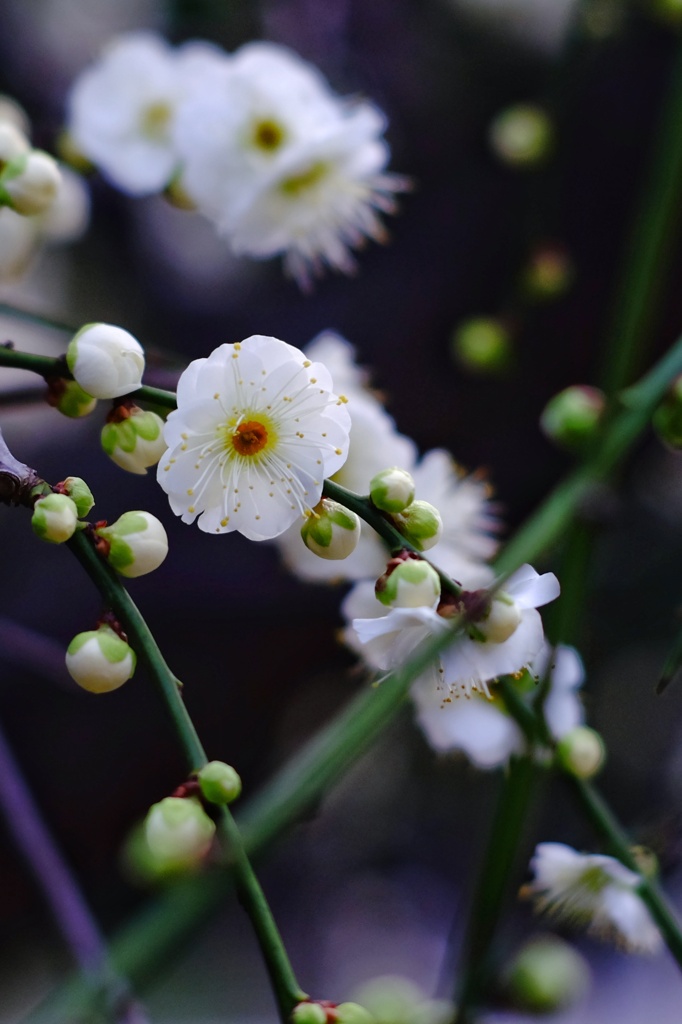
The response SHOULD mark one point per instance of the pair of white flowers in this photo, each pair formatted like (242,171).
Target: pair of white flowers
(256,140)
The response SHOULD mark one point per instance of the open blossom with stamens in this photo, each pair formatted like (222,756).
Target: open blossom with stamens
(593,891)
(504,639)
(256,432)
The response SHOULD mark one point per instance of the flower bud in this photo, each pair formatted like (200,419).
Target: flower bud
(502,619)
(522,135)
(80,495)
(99,660)
(137,543)
(413,583)
(669,11)
(54,518)
(13,114)
(178,833)
(667,419)
(331,531)
(135,440)
(548,273)
(582,752)
(421,524)
(13,143)
(547,974)
(106,361)
(352,1013)
(572,417)
(392,490)
(29,183)
(69,398)
(219,782)
(309,1013)
(482,344)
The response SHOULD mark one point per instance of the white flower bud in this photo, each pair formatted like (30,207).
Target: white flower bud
(106,361)
(178,833)
(352,1013)
(309,1013)
(331,531)
(522,135)
(69,398)
(421,524)
(413,583)
(13,142)
(80,495)
(502,619)
(99,660)
(54,518)
(13,114)
(137,542)
(547,975)
(582,752)
(392,490)
(219,782)
(29,183)
(135,441)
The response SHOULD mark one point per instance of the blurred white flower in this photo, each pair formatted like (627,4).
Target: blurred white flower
(592,891)
(257,430)
(122,107)
(501,642)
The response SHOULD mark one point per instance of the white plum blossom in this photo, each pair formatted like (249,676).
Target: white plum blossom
(482,728)
(122,107)
(475,658)
(282,165)
(257,430)
(592,891)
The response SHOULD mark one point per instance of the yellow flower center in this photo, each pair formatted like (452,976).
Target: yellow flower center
(268,135)
(155,120)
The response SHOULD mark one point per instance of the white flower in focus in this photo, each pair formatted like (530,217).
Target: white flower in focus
(474,659)
(122,107)
(282,165)
(257,430)
(592,891)
(482,727)
(105,360)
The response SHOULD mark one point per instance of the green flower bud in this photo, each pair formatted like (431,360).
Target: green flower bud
(392,999)
(106,361)
(667,419)
(546,975)
(178,833)
(309,1013)
(669,11)
(137,543)
(69,398)
(99,660)
(135,441)
(54,518)
(482,344)
(220,783)
(392,490)
(522,135)
(413,583)
(353,1013)
(548,273)
(331,530)
(582,752)
(29,183)
(501,621)
(573,416)
(421,524)
(80,495)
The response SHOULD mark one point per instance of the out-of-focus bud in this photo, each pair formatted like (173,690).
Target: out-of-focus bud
(178,834)
(522,135)
(546,975)
(392,490)
(69,398)
(29,183)
(105,360)
(581,752)
(548,273)
(99,660)
(331,530)
(133,438)
(137,543)
(421,524)
(220,783)
(80,494)
(411,583)
(669,11)
(572,417)
(13,143)
(353,1013)
(667,419)
(14,114)
(482,344)
(54,518)
(392,999)
(646,860)
(503,618)
(67,218)
(309,1013)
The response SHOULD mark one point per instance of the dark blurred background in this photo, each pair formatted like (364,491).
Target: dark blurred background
(376,882)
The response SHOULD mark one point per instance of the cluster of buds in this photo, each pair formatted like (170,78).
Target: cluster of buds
(56,514)
(29,178)
(392,491)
